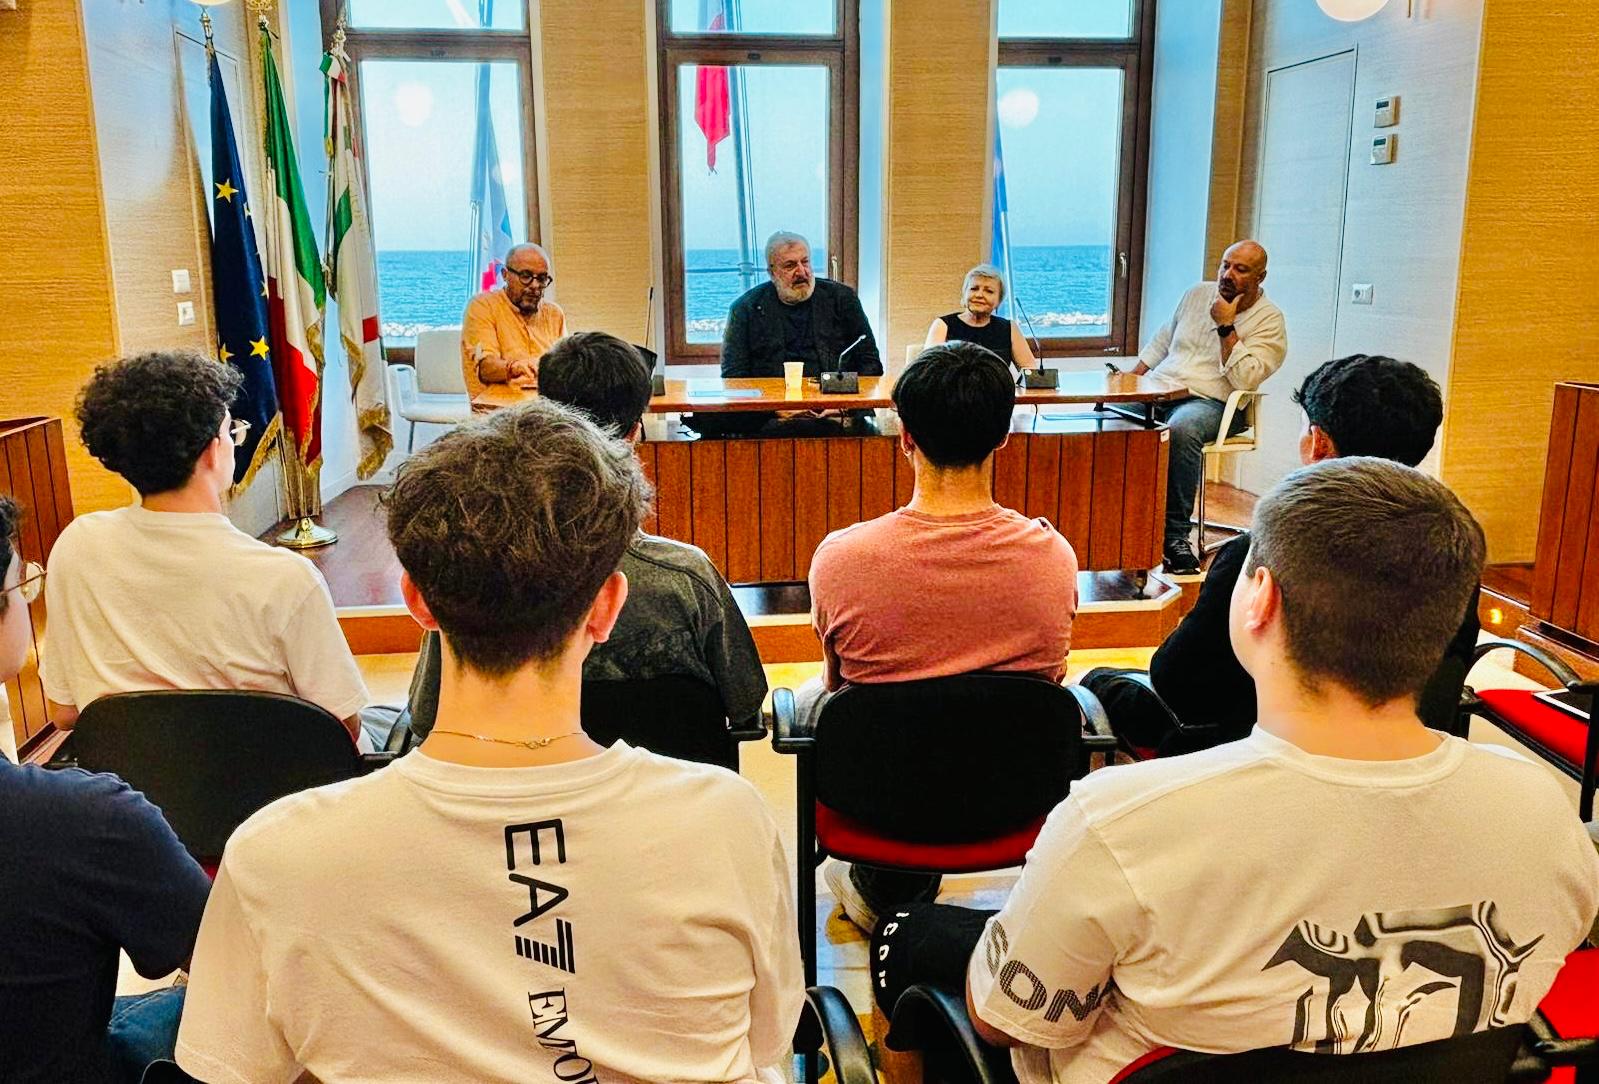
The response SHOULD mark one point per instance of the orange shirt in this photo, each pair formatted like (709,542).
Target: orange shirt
(493,328)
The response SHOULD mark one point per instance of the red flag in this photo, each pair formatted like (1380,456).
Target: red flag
(712,102)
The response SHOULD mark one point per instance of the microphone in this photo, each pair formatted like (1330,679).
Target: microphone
(1042,376)
(839,364)
(1038,349)
(837,381)
(657,364)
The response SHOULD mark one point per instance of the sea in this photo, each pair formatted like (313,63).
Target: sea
(1064,289)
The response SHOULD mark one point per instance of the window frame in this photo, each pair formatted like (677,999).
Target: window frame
(1135,56)
(448,46)
(839,53)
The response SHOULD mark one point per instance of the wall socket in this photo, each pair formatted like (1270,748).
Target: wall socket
(185,313)
(1361,293)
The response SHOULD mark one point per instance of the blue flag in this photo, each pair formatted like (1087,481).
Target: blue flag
(238,291)
(998,243)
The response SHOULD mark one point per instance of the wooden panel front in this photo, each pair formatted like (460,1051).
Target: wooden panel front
(33,470)
(1565,590)
(759,508)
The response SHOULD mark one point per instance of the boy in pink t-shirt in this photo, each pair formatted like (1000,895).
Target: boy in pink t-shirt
(949,584)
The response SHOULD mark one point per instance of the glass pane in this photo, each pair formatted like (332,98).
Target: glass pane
(438,14)
(766,171)
(1060,133)
(424,154)
(1065,18)
(814,17)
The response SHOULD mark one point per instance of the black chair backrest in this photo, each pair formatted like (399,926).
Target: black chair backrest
(210,758)
(675,716)
(948,759)
(1483,1057)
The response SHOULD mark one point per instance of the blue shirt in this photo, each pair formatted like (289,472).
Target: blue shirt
(87,867)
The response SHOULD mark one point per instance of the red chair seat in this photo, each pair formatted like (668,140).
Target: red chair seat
(1564,735)
(1572,1004)
(845,838)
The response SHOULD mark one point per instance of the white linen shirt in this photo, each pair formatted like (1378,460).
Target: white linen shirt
(1187,349)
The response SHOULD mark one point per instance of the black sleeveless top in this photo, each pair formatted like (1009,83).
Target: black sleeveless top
(995,334)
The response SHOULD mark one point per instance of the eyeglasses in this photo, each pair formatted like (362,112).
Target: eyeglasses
(528,278)
(32,582)
(240,430)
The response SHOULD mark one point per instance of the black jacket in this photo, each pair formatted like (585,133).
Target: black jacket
(1201,680)
(752,345)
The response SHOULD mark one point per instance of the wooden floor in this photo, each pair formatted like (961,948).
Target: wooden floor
(361,568)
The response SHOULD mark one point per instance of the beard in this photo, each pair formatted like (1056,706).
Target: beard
(1227,290)
(793,295)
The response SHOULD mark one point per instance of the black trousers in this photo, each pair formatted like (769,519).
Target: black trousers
(1137,715)
(923,943)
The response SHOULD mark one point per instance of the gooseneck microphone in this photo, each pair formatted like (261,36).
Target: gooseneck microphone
(839,364)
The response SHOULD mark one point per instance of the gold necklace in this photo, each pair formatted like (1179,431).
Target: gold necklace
(531,743)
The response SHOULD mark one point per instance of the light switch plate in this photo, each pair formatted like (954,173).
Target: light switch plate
(180,280)
(1362,293)
(185,313)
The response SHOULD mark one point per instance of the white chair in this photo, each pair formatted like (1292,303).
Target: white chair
(1246,439)
(438,362)
(419,407)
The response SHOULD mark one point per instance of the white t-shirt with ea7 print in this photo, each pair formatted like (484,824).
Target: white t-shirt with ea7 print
(620,918)
(1255,895)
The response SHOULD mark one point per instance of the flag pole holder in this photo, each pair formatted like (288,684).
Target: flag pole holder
(307,534)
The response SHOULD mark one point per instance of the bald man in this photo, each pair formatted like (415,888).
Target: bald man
(1224,337)
(504,332)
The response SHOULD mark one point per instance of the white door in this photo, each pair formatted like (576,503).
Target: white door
(1299,217)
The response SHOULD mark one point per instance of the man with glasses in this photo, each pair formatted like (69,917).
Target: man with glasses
(167,593)
(505,331)
(91,869)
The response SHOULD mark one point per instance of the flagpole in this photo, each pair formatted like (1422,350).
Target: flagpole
(736,111)
(302,489)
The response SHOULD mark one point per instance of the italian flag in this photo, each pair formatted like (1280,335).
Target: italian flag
(295,289)
(352,272)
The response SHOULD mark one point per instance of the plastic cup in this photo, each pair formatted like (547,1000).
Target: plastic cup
(794,374)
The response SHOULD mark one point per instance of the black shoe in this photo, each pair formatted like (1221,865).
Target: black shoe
(1179,558)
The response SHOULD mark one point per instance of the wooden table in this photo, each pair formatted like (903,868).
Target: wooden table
(759,507)
(771,393)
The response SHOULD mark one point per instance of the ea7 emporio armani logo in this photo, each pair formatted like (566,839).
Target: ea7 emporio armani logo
(543,895)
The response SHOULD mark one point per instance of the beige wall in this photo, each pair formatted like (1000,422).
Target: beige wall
(1401,221)
(1528,301)
(938,91)
(54,285)
(592,94)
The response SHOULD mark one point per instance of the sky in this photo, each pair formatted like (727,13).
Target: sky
(1059,130)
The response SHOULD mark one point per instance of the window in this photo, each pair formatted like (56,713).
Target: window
(445,98)
(758,135)
(1073,95)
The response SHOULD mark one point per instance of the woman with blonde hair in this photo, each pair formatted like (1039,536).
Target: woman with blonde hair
(981,294)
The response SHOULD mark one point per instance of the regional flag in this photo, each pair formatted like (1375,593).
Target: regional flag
(713,110)
(295,289)
(238,291)
(353,279)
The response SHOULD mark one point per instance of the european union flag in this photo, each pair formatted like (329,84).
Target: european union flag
(238,290)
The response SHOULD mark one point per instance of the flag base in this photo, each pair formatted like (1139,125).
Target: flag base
(307,534)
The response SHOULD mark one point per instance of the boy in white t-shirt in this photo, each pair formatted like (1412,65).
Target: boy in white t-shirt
(510,901)
(167,593)
(1343,880)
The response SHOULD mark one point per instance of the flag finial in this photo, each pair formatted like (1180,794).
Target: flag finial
(205,24)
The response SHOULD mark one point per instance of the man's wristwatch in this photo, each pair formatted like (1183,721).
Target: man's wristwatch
(1224,330)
